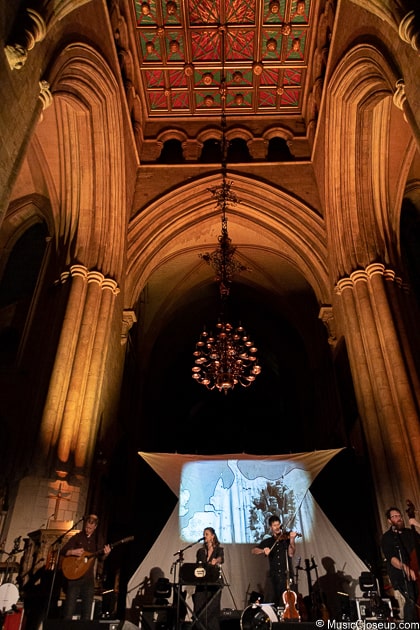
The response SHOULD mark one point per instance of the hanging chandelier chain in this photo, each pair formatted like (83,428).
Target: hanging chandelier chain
(229,357)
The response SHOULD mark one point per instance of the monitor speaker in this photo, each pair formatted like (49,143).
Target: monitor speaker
(156,618)
(65,624)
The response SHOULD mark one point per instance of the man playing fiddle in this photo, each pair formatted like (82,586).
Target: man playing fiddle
(279,548)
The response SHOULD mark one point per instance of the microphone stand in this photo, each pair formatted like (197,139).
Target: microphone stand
(176,583)
(58,541)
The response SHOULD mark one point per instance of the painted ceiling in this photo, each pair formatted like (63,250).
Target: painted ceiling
(261,46)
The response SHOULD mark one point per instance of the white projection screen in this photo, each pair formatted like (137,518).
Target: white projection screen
(236,494)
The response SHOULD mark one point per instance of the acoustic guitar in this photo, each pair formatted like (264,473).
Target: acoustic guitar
(74,567)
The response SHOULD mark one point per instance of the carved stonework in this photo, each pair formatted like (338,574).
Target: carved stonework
(399,96)
(151,150)
(16,56)
(129,319)
(258,148)
(409,31)
(191,150)
(34,31)
(33,28)
(326,315)
(45,94)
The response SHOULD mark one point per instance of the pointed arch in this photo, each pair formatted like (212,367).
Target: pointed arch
(368,137)
(185,222)
(83,133)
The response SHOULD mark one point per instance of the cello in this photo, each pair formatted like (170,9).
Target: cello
(415,554)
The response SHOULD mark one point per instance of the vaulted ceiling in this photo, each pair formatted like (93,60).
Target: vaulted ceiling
(265,51)
(264,48)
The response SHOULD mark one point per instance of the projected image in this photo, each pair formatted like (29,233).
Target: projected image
(237,497)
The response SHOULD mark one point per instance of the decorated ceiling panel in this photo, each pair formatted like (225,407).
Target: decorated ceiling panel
(261,46)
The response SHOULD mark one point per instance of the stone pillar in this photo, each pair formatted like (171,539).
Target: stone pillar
(383,386)
(86,435)
(59,382)
(72,410)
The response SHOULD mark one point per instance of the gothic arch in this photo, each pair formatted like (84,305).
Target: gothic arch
(83,133)
(367,136)
(21,215)
(184,223)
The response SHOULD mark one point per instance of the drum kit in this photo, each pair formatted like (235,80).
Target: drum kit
(9,592)
(9,596)
(260,616)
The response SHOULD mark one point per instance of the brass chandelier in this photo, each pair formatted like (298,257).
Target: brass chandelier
(228,357)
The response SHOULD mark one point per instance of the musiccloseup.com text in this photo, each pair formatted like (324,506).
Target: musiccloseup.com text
(365,624)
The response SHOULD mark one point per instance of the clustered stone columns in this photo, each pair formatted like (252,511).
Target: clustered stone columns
(384,388)
(70,419)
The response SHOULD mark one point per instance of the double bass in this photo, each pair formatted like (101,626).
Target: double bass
(315,598)
(301,606)
(415,554)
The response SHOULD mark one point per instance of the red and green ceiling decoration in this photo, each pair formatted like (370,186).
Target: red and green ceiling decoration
(266,55)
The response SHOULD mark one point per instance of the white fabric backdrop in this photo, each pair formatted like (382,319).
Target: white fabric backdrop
(243,571)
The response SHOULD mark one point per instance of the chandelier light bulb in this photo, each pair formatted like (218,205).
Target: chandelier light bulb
(226,359)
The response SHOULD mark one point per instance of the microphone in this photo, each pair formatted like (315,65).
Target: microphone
(200,539)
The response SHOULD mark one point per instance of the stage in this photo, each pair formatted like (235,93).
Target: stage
(106,624)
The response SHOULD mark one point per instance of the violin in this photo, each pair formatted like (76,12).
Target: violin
(282,536)
(286,536)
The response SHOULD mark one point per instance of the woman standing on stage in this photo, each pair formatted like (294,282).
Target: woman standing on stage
(207,597)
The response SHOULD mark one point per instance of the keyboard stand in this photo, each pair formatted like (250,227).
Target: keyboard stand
(197,619)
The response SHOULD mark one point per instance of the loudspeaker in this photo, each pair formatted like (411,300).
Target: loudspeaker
(156,617)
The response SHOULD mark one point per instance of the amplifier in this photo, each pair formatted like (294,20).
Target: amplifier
(373,608)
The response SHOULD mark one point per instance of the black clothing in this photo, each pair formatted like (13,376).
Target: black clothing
(207,598)
(401,544)
(83,587)
(36,594)
(281,567)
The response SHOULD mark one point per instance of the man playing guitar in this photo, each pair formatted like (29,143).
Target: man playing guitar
(83,544)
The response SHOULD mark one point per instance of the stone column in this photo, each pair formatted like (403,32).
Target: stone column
(86,434)
(383,386)
(70,425)
(59,382)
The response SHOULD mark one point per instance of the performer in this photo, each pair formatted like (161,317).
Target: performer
(398,545)
(279,549)
(83,587)
(207,598)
